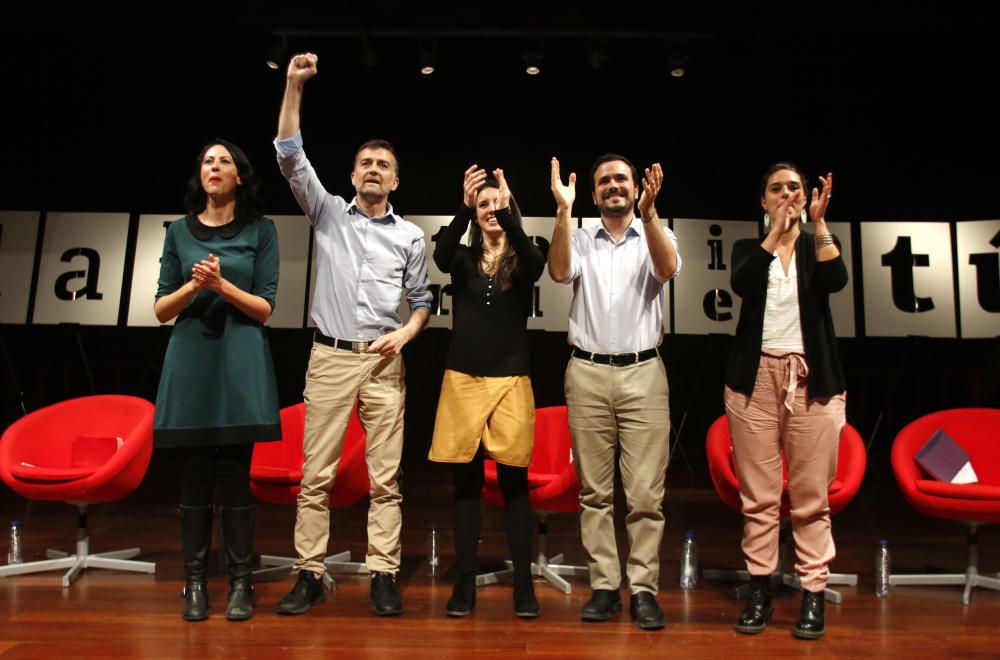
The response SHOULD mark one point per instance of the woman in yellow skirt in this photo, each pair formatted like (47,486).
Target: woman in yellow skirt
(487,406)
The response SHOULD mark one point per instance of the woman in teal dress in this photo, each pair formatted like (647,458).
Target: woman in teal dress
(217,394)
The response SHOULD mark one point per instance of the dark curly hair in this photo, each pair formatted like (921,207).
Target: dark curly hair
(249,205)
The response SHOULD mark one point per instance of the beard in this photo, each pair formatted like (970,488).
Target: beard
(617,211)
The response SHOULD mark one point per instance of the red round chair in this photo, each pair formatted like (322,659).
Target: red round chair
(81,451)
(276,478)
(975,430)
(553,487)
(851,463)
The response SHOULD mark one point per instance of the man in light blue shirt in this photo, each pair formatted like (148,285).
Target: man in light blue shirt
(366,256)
(616,384)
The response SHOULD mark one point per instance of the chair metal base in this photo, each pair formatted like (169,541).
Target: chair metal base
(119,560)
(550,568)
(971,578)
(782,576)
(280,568)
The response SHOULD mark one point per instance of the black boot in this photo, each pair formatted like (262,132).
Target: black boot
(238,527)
(525,603)
(196,540)
(812,620)
(757,614)
(463,595)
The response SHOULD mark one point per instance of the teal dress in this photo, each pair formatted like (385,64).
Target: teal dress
(218,385)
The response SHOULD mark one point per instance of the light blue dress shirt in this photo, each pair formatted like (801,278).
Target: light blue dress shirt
(617,294)
(362,264)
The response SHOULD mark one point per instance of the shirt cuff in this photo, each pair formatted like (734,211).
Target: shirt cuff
(289,146)
(418,305)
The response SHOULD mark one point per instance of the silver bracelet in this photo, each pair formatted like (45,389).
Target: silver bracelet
(824,240)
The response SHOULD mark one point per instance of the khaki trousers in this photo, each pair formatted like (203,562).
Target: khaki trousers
(780,416)
(623,408)
(335,380)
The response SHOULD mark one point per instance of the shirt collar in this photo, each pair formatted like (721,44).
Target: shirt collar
(631,230)
(390,215)
(205,232)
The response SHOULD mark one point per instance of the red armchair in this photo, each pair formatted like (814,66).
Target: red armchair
(851,462)
(975,429)
(81,451)
(276,476)
(553,487)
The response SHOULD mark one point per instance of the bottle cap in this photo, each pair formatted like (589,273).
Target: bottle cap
(690,534)
(434,525)
(15,523)
(883,543)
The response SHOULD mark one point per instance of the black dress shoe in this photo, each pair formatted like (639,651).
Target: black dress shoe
(757,614)
(601,604)
(525,603)
(463,596)
(385,597)
(812,620)
(308,591)
(646,612)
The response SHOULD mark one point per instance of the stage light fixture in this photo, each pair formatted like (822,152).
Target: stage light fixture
(597,53)
(677,64)
(428,56)
(532,54)
(277,52)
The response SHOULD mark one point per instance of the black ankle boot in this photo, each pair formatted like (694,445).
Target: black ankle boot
(196,539)
(525,603)
(812,619)
(238,527)
(757,614)
(463,595)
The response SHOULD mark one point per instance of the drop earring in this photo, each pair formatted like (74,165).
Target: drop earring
(767,220)
(804,217)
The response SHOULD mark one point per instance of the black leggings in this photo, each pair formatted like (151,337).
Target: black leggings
(228,465)
(468,487)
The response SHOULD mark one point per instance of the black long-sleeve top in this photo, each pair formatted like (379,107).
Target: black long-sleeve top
(489,331)
(816,281)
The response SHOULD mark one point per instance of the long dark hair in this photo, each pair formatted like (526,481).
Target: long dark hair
(249,205)
(507,265)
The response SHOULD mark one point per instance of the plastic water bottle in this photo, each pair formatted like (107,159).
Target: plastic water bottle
(882,569)
(14,543)
(689,561)
(433,566)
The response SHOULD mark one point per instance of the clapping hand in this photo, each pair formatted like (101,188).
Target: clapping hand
(817,208)
(474,177)
(564,194)
(207,274)
(651,184)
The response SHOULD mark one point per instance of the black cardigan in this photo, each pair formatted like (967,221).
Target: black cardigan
(489,334)
(816,281)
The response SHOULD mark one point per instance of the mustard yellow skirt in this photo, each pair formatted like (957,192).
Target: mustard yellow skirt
(499,411)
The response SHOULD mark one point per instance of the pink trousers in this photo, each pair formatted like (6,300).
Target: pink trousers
(780,417)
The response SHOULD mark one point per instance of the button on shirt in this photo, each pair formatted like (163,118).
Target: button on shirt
(362,263)
(617,294)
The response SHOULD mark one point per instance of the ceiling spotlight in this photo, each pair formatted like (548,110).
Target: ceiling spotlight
(368,55)
(428,56)
(597,53)
(677,63)
(277,52)
(532,56)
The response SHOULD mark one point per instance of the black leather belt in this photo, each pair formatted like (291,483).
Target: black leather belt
(615,359)
(343,344)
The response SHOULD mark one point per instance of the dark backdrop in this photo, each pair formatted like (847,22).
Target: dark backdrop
(105,110)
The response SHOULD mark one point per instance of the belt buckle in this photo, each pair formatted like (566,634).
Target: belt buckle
(358,346)
(621,359)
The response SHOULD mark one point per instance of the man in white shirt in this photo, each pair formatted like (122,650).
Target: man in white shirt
(616,384)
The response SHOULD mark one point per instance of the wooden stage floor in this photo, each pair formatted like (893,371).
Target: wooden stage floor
(112,614)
